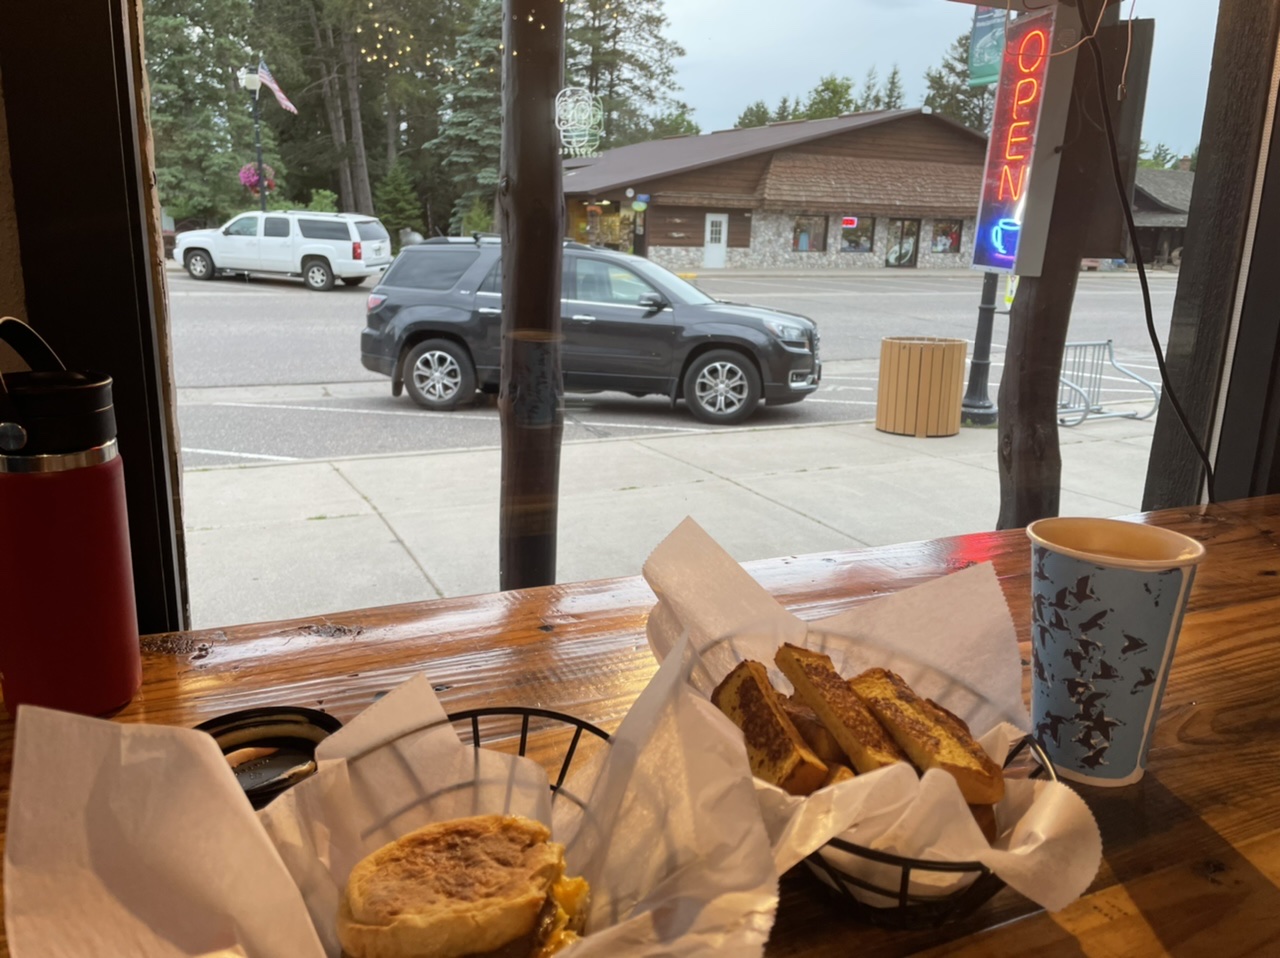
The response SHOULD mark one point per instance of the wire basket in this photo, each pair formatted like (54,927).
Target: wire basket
(907,910)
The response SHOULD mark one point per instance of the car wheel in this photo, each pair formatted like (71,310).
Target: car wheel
(199,265)
(438,374)
(317,275)
(722,387)
(353,280)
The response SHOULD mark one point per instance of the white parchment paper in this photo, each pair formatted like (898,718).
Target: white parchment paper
(136,840)
(953,641)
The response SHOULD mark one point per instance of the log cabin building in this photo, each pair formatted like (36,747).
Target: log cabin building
(888,188)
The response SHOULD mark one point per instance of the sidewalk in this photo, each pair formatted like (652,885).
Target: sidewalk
(298,539)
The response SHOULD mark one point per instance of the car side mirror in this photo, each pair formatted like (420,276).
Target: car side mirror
(653,302)
(226,231)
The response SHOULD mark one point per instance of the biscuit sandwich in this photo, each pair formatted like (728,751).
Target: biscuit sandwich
(491,886)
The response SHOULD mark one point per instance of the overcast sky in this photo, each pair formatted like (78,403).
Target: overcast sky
(739,51)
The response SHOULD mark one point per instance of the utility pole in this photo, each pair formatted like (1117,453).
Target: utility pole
(977,409)
(257,146)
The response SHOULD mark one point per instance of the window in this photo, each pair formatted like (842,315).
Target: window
(857,234)
(493,282)
(244,226)
(372,230)
(276,226)
(437,269)
(324,229)
(716,232)
(601,282)
(809,234)
(946,236)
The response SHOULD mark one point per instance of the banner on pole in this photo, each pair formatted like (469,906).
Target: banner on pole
(986,45)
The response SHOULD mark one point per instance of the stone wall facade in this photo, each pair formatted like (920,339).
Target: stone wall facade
(771,237)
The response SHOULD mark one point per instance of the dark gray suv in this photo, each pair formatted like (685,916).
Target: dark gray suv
(434,325)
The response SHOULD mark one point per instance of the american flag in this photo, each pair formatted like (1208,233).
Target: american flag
(270,83)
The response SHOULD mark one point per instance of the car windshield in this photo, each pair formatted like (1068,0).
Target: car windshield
(685,292)
(371,230)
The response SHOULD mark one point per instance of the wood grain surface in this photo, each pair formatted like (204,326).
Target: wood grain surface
(1191,853)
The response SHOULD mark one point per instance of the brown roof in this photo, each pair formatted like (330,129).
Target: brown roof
(803,181)
(1170,189)
(642,162)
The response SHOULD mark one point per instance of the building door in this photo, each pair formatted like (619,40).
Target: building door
(716,240)
(904,242)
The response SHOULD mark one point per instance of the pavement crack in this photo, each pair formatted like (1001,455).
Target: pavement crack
(435,586)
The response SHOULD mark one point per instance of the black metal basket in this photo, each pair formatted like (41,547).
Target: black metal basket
(907,910)
(472,719)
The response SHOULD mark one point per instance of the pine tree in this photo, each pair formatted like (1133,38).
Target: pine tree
(757,114)
(949,93)
(675,122)
(832,96)
(622,54)
(787,109)
(869,96)
(398,205)
(893,96)
(470,140)
(1161,158)
(201,121)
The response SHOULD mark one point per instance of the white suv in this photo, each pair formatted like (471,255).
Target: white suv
(319,247)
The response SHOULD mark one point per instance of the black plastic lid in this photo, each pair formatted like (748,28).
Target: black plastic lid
(270,749)
(50,409)
(62,411)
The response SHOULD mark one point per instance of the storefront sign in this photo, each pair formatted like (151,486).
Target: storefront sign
(849,223)
(1022,158)
(580,120)
(986,44)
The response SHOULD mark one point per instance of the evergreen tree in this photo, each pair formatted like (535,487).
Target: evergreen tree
(676,122)
(470,140)
(201,121)
(622,54)
(1195,157)
(832,96)
(1161,158)
(787,110)
(869,97)
(893,96)
(398,205)
(949,93)
(757,114)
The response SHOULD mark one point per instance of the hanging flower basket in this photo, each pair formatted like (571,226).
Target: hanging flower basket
(249,177)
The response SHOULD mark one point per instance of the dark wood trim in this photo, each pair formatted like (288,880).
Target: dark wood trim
(1246,456)
(79,202)
(1230,140)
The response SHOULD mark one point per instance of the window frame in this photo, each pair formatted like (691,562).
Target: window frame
(822,235)
(864,222)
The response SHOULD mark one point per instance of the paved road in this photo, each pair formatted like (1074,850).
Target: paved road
(268,370)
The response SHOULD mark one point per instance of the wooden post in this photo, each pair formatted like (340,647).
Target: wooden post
(1029,457)
(531,397)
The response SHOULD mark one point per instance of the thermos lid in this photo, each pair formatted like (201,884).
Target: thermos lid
(50,410)
(60,411)
(270,749)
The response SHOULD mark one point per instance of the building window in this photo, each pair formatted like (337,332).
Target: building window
(809,234)
(946,236)
(857,234)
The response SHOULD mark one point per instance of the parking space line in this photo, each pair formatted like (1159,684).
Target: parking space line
(239,455)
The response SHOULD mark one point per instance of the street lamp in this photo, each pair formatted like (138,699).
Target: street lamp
(250,81)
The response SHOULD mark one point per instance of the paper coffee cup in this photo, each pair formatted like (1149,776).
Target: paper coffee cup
(1107,603)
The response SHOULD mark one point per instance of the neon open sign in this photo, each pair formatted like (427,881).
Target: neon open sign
(1011,149)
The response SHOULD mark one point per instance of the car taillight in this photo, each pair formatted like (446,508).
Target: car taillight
(356,251)
(375,300)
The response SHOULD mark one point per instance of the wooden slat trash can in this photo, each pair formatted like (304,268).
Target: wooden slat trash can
(921,385)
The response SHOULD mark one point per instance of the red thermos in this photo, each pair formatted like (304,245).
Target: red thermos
(68,620)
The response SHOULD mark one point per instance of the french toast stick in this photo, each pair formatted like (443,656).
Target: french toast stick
(930,735)
(820,687)
(812,730)
(775,749)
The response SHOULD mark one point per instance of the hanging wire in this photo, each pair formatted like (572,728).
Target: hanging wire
(1096,50)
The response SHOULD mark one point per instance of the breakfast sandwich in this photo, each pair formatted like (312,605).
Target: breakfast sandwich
(492,886)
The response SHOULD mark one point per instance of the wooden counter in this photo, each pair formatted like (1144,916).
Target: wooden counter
(1191,853)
